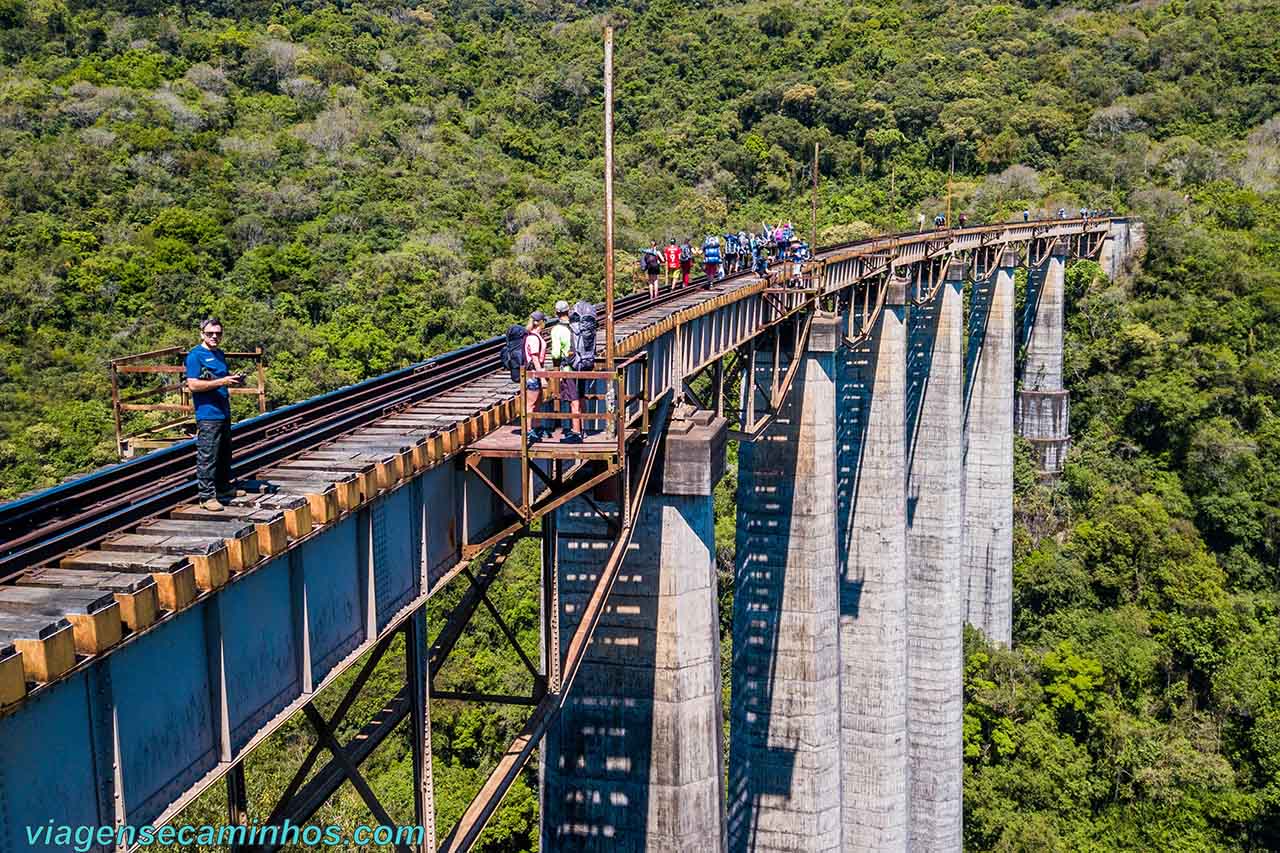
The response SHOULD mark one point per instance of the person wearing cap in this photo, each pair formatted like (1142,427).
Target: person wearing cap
(535,356)
(672,257)
(561,359)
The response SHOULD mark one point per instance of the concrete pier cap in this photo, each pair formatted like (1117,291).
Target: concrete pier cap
(824,334)
(694,454)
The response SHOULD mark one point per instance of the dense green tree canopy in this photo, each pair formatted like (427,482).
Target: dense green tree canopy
(358,185)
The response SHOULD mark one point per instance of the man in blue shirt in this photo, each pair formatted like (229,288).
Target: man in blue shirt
(208,380)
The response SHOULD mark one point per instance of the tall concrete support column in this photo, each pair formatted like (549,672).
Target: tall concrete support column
(873,585)
(1124,242)
(784,753)
(1042,405)
(635,760)
(988,455)
(935,592)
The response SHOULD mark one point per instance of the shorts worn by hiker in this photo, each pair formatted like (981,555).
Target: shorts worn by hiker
(569,390)
(213,458)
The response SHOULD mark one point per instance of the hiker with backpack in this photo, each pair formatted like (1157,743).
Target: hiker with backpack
(799,254)
(711,258)
(686,262)
(672,257)
(730,254)
(562,359)
(760,257)
(581,356)
(526,349)
(744,251)
(651,263)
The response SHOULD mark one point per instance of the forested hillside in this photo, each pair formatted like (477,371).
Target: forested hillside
(355,186)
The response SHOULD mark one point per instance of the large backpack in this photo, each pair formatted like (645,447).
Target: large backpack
(513,354)
(582,328)
(711,250)
(686,253)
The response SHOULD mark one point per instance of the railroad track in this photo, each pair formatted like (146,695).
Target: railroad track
(82,511)
(48,524)
(95,560)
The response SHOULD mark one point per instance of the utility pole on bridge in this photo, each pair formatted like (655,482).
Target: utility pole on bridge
(608,197)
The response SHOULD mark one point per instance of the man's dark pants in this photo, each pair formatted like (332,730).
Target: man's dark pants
(213,458)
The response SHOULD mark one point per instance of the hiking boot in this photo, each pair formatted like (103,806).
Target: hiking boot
(533,436)
(211,505)
(571,437)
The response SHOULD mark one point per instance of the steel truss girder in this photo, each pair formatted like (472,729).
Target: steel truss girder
(780,390)
(299,802)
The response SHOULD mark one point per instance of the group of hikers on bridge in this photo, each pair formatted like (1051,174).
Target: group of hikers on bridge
(571,349)
(722,255)
(962,219)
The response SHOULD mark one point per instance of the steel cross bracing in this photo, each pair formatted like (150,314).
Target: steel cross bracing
(381,493)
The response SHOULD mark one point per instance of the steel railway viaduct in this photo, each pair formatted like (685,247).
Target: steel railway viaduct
(146,647)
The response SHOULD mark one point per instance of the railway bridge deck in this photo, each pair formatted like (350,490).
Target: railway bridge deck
(151,645)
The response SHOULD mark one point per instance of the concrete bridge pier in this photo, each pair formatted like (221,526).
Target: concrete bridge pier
(784,754)
(935,593)
(873,585)
(988,455)
(1042,405)
(1124,240)
(635,761)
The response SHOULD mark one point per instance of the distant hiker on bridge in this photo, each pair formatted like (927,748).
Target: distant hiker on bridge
(686,262)
(672,256)
(759,256)
(730,254)
(920,220)
(939,221)
(964,219)
(209,381)
(651,264)
(744,251)
(799,254)
(1062,213)
(1026,215)
(782,239)
(711,259)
